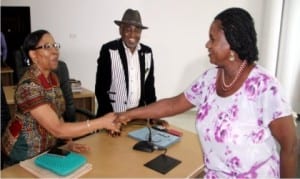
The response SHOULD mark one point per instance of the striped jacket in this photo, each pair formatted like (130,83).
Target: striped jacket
(111,87)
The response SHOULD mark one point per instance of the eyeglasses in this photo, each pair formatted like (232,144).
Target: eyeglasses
(48,46)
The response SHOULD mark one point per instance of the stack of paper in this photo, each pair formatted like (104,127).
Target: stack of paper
(30,166)
(75,85)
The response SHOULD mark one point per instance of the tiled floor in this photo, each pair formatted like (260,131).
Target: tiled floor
(187,121)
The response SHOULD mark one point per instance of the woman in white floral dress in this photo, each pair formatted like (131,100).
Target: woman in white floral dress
(242,111)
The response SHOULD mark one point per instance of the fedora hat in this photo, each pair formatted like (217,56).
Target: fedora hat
(131,17)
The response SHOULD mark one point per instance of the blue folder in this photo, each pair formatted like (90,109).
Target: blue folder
(159,138)
(61,165)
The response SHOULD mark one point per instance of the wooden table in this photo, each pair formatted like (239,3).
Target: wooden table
(84,100)
(115,158)
(7,76)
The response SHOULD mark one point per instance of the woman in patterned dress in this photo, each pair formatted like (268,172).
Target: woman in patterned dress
(38,122)
(241,109)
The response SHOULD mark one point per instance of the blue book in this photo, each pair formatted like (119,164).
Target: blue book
(61,165)
(159,138)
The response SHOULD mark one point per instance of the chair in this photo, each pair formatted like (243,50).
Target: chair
(63,75)
(20,64)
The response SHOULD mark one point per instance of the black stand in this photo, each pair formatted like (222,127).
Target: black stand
(144,146)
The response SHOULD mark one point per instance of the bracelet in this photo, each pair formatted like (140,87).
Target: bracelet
(88,125)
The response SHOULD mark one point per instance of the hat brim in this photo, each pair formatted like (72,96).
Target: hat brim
(130,23)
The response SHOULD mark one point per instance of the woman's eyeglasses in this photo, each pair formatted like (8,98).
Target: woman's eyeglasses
(48,46)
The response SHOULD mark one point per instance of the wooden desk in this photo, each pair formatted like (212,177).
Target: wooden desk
(7,76)
(115,158)
(84,100)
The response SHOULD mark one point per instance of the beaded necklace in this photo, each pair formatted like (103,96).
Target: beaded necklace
(226,87)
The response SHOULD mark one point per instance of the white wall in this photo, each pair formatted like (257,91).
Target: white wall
(178,31)
(270,33)
(288,68)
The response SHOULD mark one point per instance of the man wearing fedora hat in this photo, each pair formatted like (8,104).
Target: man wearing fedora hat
(125,72)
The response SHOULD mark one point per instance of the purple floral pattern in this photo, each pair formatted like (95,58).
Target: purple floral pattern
(203,111)
(233,130)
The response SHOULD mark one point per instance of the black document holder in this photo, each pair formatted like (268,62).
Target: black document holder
(162,164)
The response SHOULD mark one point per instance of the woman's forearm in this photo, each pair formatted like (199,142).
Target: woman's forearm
(288,163)
(48,119)
(162,108)
(71,130)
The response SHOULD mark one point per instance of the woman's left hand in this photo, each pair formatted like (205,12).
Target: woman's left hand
(75,147)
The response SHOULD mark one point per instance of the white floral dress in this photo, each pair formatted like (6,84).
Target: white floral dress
(234,131)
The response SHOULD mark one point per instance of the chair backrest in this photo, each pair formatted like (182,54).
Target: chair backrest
(63,74)
(21,63)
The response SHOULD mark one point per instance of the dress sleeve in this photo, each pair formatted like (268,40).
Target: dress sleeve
(204,85)
(274,102)
(29,95)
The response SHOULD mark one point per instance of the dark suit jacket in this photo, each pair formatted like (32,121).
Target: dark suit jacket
(111,87)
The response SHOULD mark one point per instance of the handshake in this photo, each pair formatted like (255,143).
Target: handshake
(113,122)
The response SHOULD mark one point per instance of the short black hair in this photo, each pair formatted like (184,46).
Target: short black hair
(32,40)
(240,33)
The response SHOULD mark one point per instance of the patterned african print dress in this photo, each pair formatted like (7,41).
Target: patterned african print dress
(24,137)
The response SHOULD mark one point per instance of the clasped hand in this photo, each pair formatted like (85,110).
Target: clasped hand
(119,120)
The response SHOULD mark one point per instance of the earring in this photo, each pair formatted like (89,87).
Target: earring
(231,58)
